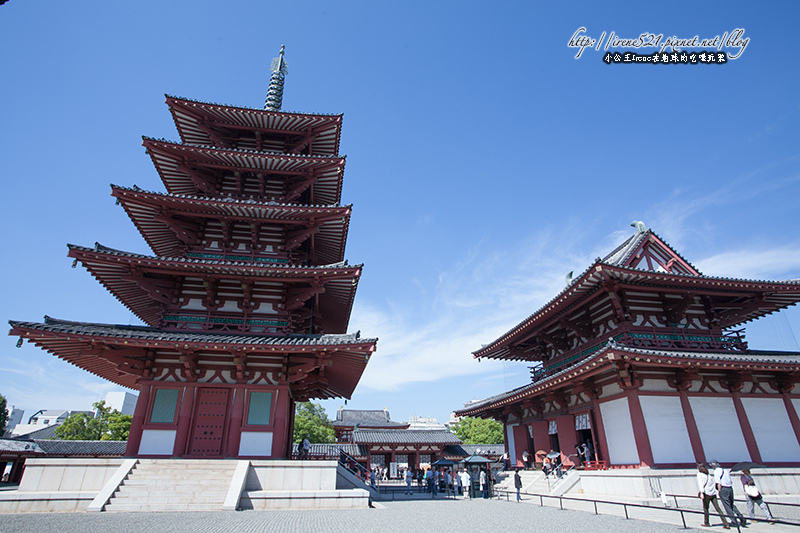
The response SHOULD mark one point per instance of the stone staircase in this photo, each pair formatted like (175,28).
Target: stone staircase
(174,485)
(533,481)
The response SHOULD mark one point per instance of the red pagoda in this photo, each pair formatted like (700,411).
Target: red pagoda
(643,358)
(248,296)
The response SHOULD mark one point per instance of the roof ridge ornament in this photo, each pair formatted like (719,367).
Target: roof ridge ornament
(639,225)
(279,69)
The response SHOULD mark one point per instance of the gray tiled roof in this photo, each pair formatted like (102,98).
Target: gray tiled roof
(148,333)
(19,446)
(402,436)
(332,450)
(378,418)
(74,448)
(465,450)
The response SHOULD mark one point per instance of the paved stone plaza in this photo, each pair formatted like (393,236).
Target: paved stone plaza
(461,516)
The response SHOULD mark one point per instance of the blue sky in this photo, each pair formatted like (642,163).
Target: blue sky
(484,160)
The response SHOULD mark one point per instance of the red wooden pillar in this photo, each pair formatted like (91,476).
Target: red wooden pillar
(541,439)
(236,420)
(567,436)
(520,435)
(792,412)
(639,428)
(691,428)
(601,445)
(184,421)
(747,431)
(135,434)
(284,415)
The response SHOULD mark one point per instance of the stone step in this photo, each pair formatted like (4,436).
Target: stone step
(199,477)
(156,507)
(128,492)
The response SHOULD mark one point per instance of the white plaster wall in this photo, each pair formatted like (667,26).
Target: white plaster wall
(256,443)
(512,449)
(619,432)
(666,427)
(157,442)
(719,429)
(772,429)
(656,385)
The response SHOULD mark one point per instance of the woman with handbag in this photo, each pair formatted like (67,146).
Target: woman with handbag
(753,496)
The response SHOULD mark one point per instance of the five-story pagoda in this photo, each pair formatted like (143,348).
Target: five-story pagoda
(248,296)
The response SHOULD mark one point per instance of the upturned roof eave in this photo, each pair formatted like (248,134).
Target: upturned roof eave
(594,364)
(564,299)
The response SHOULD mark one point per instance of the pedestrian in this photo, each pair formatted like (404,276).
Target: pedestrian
(305,449)
(722,479)
(753,496)
(482,479)
(505,462)
(546,466)
(587,453)
(517,483)
(434,483)
(707,492)
(466,483)
(526,459)
(409,477)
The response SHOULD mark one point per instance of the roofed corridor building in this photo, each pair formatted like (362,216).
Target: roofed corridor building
(645,358)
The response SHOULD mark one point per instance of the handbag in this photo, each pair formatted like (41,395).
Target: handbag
(752,491)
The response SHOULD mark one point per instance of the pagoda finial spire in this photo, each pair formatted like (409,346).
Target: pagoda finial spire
(279,70)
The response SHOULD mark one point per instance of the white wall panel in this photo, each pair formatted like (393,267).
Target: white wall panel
(255,443)
(666,428)
(772,429)
(719,429)
(619,432)
(157,442)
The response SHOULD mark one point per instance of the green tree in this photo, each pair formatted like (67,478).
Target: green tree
(310,419)
(3,415)
(107,424)
(478,430)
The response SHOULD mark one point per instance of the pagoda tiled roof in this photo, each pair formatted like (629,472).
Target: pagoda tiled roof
(778,294)
(110,267)
(113,351)
(754,359)
(116,331)
(169,159)
(365,419)
(190,116)
(404,436)
(144,208)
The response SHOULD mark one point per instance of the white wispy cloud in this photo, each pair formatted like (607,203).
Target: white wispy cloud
(483,295)
(753,263)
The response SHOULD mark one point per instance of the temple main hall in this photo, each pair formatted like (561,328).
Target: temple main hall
(247,296)
(644,358)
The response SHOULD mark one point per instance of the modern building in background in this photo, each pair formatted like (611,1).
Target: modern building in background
(122,401)
(247,297)
(644,358)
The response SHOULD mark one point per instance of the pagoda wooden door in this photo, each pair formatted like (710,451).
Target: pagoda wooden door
(211,410)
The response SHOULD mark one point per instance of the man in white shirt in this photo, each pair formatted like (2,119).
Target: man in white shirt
(707,492)
(724,485)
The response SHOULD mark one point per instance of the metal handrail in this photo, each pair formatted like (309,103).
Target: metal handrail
(690,497)
(625,506)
